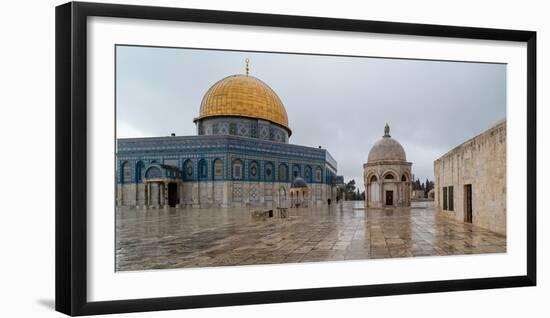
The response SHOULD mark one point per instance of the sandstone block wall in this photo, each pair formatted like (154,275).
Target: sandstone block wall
(481,163)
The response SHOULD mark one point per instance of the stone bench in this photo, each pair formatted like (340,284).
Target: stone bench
(262,214)
(283,212)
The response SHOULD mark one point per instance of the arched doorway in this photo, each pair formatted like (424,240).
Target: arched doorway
(373,189)
(283,201)
(390,188)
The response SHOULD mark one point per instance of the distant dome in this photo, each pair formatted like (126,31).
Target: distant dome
(387,148)
(299,183)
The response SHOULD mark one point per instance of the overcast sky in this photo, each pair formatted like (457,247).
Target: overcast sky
(340,103)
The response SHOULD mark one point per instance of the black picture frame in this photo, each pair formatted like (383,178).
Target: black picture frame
(71,157)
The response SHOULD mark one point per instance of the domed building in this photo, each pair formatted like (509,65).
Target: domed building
(387,174)
(299,193)
(241,156)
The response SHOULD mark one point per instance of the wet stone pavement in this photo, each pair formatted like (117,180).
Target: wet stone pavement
(179,238)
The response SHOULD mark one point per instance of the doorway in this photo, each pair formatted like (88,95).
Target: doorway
(172,194)
(468,203)
(389,197)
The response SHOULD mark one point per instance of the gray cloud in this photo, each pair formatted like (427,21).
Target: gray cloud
(340,103)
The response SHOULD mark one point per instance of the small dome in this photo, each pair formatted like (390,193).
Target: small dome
(299,183)
(387,148)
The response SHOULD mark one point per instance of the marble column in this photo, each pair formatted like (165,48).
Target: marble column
(165,195)
(381,197)
(159,194)
(146,195)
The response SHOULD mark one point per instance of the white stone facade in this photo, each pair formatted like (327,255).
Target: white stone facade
(470,180)
(385,179)
(387,174)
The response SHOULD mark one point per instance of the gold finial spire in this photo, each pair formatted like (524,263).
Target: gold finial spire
(246,67)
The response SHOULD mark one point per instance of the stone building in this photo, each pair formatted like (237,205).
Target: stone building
(418,195)
(239,157)
(470,180)
(387,174)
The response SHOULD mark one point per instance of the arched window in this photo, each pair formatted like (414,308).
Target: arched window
(139,172)
(126,172)
(218,168)
(389,176)
(403,178)
(373,179)
(232,128)
(237,169)
(283,173)
(318,174)
(188,170)
(153,172)
(268,171)
(307,173)
(254,170)
(203,169)
(295,171)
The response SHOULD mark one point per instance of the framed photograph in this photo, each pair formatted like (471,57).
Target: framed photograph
(213,158)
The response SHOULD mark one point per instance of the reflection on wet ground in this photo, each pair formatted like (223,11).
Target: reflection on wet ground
(177,238)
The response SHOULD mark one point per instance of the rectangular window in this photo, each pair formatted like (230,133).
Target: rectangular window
(218,168)
(444,198)
(237,171)
(282,173)
(232,128)
(451,199)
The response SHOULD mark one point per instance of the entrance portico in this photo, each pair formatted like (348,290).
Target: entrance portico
(162,186)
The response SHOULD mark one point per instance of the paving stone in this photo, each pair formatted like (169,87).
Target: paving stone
(186,238)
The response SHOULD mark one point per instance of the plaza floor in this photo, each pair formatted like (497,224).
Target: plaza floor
(183,238)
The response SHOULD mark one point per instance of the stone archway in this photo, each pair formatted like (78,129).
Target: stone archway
(374,189)
(283,200)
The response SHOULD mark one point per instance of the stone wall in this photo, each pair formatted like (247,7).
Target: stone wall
(481,163)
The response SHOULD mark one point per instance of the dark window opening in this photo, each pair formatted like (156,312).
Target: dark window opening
(451,199)
(444,198)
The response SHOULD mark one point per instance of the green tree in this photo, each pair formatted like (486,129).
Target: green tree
(429,186)
(417,185)
(351,191)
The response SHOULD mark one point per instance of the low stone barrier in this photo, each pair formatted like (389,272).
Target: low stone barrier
(265,214)
(262,214)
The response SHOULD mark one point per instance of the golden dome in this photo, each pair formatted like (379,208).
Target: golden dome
(243,96)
